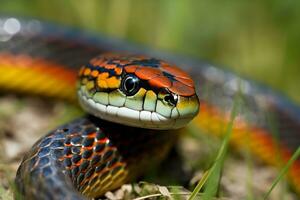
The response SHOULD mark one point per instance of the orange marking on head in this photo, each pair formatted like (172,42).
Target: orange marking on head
(113,82)
(103,75)
(174,71)
(110,66)
(102,83)
(181,89)
(131,68)
(95,73)
(118,70)
(147,73)
(160,81)
(189,82)
(87,71)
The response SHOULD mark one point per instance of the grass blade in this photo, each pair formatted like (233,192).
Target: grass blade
(200,184)
(283,172)
(213,173)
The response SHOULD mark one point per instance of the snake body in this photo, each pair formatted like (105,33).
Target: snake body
(90,156)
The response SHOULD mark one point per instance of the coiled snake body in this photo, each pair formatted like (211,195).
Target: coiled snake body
(94,154)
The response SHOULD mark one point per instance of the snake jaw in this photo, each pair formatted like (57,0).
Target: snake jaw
(131,111)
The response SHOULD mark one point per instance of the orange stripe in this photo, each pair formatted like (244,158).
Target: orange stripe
(259,142)
(37,76)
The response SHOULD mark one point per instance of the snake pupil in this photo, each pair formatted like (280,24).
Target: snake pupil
(130,85)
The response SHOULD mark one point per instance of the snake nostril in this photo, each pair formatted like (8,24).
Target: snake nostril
(171,99)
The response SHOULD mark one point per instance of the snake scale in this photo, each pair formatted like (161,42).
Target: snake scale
(94,154)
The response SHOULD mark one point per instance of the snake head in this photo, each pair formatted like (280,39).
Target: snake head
(137,91)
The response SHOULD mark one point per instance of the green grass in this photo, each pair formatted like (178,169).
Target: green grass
(212,177)
(283,172)
(272,122)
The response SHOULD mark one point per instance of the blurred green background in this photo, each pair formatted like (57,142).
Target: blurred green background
(256,39)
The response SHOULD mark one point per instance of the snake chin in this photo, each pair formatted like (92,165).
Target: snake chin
(130,117)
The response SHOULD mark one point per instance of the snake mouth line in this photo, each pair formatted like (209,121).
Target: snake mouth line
(130,117)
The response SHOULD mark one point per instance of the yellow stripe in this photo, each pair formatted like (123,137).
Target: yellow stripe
(27,80)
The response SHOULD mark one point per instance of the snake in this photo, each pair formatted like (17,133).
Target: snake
(136,99)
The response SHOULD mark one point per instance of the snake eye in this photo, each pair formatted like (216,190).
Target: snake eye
(171,99)
(130,85)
